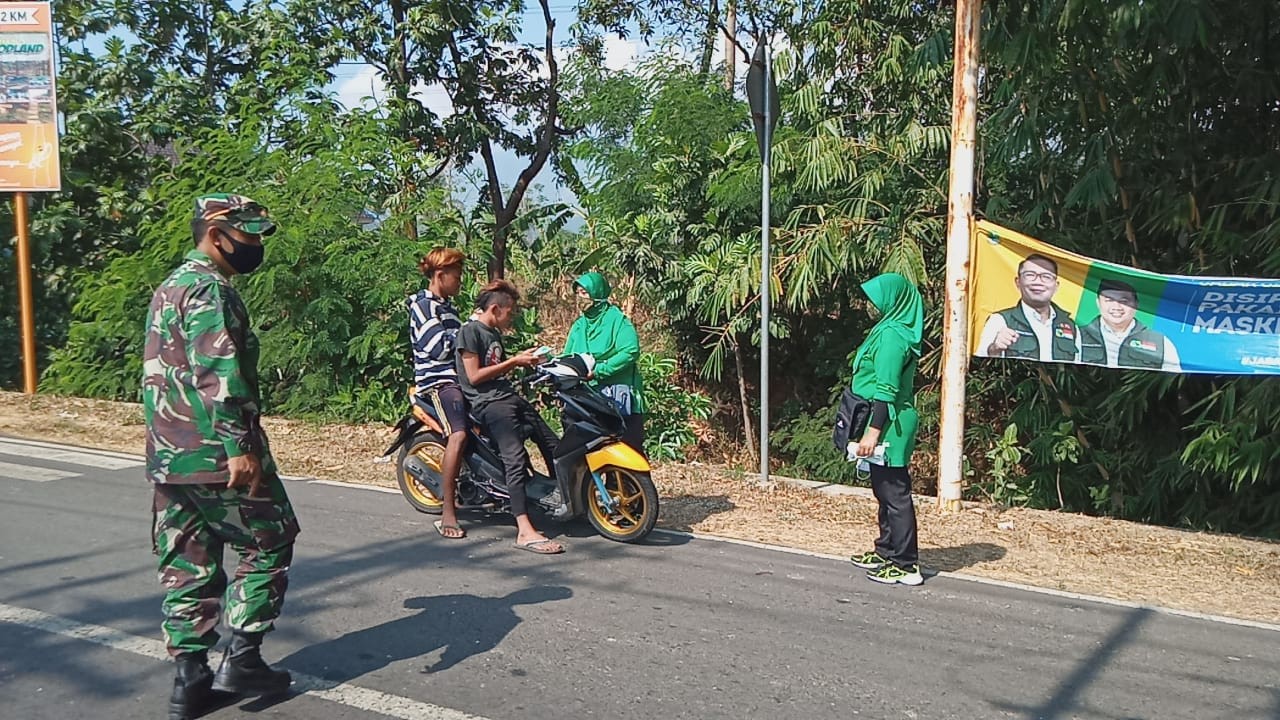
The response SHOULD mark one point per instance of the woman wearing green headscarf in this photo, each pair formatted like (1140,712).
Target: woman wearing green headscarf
(604,331)
(884,371)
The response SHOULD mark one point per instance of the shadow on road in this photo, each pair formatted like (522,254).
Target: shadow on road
(462,625)
(1067,700)
(582,528)
(682,513)
(953,559)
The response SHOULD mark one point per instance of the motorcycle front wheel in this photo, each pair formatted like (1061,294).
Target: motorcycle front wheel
(429,451)
(632,507)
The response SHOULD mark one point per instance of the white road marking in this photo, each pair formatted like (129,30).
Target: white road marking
(74,456)
(350,695)
(32,473)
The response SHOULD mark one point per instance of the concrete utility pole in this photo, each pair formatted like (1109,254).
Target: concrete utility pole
(955,343)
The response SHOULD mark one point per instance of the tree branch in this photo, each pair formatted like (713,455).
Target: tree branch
(491,173)
(486,148)
(444,164)
(709,38)
(717,23)
(547,132)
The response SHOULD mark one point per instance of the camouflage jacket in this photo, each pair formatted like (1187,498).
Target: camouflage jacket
(200,378)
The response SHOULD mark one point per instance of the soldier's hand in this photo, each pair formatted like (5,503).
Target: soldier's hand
(246,471)
(1005,339)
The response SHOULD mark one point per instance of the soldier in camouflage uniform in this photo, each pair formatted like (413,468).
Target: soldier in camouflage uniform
(216,483)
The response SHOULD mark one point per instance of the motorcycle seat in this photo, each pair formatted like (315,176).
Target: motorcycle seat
(423,402)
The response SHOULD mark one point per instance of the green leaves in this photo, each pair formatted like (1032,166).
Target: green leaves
(676,416)
(906,258)
(1125,131)
(328,303)
(1138,132)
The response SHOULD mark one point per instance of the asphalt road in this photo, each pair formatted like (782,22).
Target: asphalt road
(385,618)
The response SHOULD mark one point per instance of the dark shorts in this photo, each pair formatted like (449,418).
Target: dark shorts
(450,407)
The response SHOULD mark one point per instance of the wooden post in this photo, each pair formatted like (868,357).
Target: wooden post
(25,302)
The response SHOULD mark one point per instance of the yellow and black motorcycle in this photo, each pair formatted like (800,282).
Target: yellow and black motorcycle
(596,473)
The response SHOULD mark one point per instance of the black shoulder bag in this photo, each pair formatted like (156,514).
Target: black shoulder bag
(851,417)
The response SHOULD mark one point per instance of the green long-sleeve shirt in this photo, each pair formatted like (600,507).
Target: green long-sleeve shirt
(612,340)
(885,370)
(604,332)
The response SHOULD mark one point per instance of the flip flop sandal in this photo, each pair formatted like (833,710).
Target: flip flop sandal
(441,527)
(542,547)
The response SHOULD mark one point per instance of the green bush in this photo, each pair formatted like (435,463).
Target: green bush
(806,441)
(673,409)
(329,301)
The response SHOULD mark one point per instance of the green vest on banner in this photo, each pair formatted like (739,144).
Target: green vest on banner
(1141,348)
(1028,345)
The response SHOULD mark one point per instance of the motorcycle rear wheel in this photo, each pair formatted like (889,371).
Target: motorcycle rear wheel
(429,449)
(635,501)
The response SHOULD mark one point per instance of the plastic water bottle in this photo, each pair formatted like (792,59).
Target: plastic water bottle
(865,463)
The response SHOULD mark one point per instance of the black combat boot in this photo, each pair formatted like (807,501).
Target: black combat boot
(243,671)
(190,686)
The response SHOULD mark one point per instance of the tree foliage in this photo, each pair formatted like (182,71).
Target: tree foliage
(1146,134)
(1133,131)
(329,300)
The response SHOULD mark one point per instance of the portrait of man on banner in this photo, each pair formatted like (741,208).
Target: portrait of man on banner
(1036,328)
(1117,339)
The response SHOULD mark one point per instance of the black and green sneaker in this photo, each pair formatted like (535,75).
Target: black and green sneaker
(891,574)
(869,560)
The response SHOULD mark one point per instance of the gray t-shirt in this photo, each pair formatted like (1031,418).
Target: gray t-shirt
(486,342)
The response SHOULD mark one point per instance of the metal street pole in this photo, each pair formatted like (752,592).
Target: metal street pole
(955,343)
(27,306)
(762,96)
(766,158)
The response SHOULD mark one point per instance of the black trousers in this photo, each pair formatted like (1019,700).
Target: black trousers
(503,421)
(898,538)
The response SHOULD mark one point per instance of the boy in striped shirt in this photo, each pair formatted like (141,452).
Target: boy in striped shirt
(433,331)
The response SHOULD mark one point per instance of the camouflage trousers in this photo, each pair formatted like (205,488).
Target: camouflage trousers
(192,525)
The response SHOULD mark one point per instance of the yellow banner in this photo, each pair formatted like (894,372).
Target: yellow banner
(28,107)
(1029,300)
(994,285)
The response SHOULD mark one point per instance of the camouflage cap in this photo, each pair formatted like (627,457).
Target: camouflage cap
(238,211)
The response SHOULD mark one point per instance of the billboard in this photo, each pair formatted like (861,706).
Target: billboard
(1032,301)
(28,105)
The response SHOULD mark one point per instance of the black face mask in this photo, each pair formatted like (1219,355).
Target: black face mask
(244,258)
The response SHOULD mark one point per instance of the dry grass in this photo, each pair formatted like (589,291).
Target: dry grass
(1202,572)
